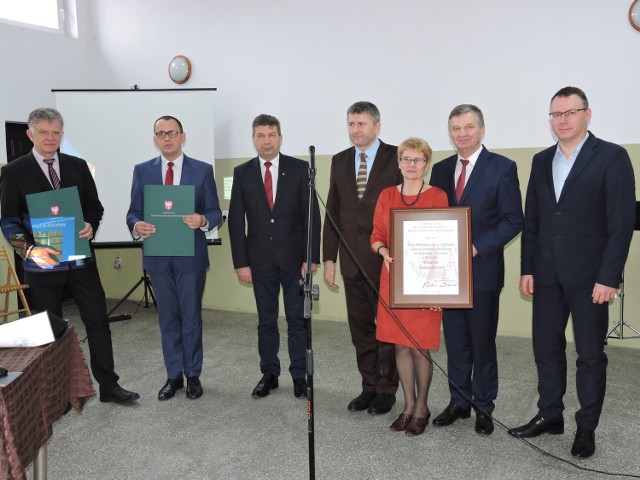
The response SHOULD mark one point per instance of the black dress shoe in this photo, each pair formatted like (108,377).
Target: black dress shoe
(299,388)
(361,402)
(450,415)
(484,424)
(537,426)
(584,445)
(267,383)
(381,403)
(169,388)
(118,395)
(194,388)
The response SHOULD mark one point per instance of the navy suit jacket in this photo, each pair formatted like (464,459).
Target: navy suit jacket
(261,238)
(493,193)
(194,172)
(584,237)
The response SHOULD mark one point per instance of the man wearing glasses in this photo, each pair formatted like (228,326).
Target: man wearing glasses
(488,183)
(178,282)
(579,219)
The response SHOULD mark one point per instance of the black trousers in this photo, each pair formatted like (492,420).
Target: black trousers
(551,308)
(376,360)
(86,289)
(472,361)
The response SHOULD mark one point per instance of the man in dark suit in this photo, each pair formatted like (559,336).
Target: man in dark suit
(42,170)
(177,281)
(358,175)
(488,183)
(268,219)
(579,219)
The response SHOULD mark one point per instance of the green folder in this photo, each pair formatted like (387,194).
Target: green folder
(50,213)
(164,206)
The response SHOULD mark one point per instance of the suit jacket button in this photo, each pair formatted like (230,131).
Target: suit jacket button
(271,221)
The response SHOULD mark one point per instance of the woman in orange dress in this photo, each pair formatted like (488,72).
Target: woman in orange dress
(414,369)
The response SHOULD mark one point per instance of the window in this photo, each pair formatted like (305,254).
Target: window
(49,15)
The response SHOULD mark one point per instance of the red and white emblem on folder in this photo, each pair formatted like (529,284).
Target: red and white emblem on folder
(168,204)
(55,210)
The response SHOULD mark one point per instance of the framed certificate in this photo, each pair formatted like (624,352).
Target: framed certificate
(432,254)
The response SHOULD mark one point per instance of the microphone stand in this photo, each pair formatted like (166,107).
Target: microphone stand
(311,292)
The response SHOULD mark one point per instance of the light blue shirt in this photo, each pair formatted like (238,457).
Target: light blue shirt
(561,166)
(371,153)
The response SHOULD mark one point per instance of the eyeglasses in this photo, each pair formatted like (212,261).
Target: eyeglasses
(568,114)
(170,134)
(417,160)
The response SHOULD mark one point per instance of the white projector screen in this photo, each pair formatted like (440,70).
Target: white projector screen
(113,131)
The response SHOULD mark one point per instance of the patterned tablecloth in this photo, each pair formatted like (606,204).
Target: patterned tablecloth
(53,377)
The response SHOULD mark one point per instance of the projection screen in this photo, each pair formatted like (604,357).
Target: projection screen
(113,130)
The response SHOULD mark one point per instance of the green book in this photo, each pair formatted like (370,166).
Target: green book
(164,206)
(56,218)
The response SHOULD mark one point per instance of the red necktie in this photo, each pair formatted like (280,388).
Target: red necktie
(168,179)
(268,184)
(55,180)
(461,180)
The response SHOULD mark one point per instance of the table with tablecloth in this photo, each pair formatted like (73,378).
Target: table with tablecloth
(53,377)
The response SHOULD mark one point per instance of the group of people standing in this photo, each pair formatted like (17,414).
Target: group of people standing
(474,177)
(576,230)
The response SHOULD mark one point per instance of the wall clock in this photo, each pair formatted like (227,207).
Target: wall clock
(634,15)
(180,69)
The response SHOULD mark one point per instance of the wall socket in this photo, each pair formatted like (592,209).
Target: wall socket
(117,263)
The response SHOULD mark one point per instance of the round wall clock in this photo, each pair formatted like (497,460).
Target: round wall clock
(634,15)
(180,69)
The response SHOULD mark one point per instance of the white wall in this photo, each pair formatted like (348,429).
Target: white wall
(306,62)
(33,62)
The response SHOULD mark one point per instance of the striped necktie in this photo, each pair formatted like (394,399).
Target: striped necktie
(55,180)
(361,179)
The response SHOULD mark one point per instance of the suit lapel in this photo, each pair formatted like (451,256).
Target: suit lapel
(256,182)
(449,171)
(157,168)
(376,169)
(187,176)
(349,173)
(481,165)
(41,178)
(548,173)
(582,160)
(284,176)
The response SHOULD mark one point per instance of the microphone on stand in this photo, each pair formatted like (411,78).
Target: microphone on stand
(311,293)
(312,167)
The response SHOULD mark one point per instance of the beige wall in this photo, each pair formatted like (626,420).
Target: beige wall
(223,291)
